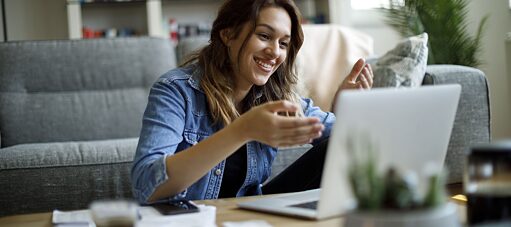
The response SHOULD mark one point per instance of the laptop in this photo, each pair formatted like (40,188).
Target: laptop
(411,128)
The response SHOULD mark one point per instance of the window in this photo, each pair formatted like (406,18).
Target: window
(367,12)
(371,4)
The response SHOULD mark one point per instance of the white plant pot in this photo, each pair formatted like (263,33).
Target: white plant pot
(445,216)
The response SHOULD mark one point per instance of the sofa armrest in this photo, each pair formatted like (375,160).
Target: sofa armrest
(472,122)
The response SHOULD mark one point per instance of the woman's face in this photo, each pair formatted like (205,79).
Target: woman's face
(266,48)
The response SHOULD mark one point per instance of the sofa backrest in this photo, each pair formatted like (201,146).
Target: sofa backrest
(76,90)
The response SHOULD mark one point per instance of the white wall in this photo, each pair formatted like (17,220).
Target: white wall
(384,37)
(496,61)
(36,19)
(493,53)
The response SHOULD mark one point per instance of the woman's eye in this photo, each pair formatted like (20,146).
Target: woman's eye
(264,36)
(284,45)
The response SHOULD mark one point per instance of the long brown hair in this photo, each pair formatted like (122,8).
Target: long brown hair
(218,81)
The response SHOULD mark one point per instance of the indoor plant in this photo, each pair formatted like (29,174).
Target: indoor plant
(393,198)
(446,23)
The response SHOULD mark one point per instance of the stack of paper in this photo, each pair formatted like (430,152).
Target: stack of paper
(149,217)
(77,218)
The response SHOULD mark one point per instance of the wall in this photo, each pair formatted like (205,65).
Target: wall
(384,37)
(495,60)
(35,19)
(493,53)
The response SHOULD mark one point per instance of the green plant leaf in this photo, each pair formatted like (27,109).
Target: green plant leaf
(445,21)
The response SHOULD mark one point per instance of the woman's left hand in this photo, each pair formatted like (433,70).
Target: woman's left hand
(360,77)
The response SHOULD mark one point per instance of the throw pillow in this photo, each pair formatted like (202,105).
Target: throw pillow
(405,65)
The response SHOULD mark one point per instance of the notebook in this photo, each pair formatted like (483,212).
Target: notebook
(410,126)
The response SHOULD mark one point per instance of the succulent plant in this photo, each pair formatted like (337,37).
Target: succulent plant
(436,194)
(399,193)
(390,190)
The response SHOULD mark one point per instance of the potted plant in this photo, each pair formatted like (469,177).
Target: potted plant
(392,198)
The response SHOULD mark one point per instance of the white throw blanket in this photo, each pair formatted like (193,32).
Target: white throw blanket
(325,59)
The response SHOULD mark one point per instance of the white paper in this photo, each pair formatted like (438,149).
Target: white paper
(149,217)
(72,218)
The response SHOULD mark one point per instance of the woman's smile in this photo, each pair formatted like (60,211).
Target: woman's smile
(266,66)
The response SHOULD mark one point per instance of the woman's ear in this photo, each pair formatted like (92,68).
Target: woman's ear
(225,34)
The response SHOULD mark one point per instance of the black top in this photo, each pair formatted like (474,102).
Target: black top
(235,172)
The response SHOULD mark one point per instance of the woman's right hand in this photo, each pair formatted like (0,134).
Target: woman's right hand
(263,124)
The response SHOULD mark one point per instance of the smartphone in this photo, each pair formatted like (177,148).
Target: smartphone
(180,206)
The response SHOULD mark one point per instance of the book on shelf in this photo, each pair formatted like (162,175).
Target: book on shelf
(178,31)
(89,33)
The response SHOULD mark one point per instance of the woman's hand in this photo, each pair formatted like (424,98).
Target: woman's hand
(360,77)
(263,124)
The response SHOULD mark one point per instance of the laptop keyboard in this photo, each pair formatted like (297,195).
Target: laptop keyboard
(308,205)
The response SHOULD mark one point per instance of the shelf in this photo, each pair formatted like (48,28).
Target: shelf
(153,24)
(150,18)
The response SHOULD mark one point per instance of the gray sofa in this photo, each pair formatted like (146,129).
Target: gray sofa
(70,114)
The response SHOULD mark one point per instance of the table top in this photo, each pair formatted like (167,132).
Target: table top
(226,210)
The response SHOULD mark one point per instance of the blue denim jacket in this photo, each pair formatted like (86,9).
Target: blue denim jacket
(175,119)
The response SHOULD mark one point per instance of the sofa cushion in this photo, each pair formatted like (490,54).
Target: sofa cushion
(41,155)
(71,116)
(404,65)
(68,175)
(66,90)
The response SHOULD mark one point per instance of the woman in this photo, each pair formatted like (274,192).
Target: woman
(211,128)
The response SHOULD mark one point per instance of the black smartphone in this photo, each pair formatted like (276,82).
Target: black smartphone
(180,206)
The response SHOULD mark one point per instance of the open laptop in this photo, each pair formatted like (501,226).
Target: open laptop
(411,128)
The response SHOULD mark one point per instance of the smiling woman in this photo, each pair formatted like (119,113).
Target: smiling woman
(264,51)
(212,127)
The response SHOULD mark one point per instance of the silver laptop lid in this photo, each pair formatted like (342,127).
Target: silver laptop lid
(411,128)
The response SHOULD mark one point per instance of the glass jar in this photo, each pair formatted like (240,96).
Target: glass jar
(487,183)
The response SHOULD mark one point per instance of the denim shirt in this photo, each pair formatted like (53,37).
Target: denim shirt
(177,118)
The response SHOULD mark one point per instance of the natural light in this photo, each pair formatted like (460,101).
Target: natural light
(370,4)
